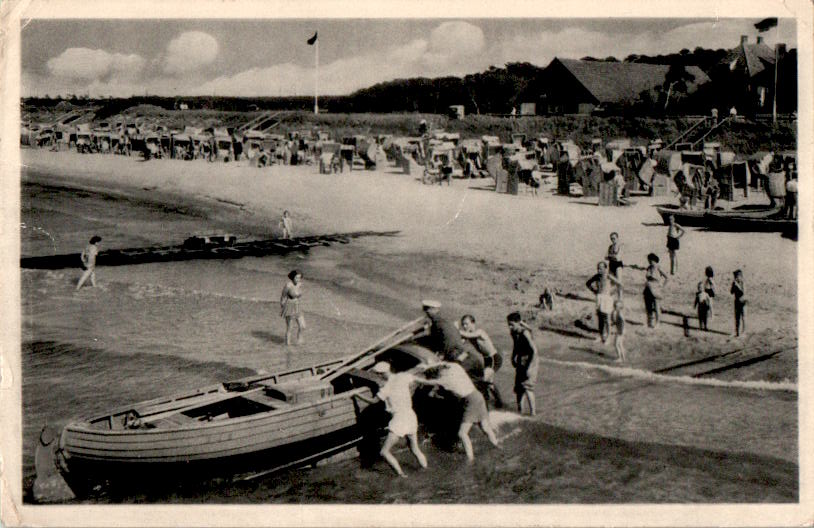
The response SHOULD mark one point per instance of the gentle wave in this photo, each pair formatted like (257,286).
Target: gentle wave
(629,372)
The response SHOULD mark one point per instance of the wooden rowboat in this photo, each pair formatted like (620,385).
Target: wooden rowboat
(700,218)
(261,423)
(748,223)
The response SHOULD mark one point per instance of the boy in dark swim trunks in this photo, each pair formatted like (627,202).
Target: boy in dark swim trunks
(703,305)
(739,291)
(618,322)
(492,360)
(614,255)
(525,361)
(709,288)
(674,232)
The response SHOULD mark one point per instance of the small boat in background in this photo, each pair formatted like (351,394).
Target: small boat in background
(747,223)
(701,217)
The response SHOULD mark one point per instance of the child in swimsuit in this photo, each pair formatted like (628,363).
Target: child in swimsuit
(739,291)
(88,257)
(652,290)
(614,255)
(285,224)
(702,304)
(674,232)
(618,321)
(709,288)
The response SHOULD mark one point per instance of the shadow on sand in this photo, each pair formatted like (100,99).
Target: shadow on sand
(268,336)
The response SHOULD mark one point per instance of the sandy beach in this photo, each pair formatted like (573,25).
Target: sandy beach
(475,251)
(525,242)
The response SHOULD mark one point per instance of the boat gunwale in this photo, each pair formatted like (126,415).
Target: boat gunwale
(84,426)
(209,389)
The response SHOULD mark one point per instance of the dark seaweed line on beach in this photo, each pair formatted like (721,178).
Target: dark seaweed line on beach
(255,248)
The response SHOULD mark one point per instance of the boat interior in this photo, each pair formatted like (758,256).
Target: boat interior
(239,399)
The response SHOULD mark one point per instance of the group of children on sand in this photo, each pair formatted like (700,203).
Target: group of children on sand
(608,289)
(705,294)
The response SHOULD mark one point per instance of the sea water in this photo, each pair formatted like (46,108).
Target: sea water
(155,329)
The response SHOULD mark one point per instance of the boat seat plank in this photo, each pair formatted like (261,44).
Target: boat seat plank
(172,421)
(263,399)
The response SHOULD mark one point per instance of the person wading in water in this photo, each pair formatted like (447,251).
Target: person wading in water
(290,307)
(88,257)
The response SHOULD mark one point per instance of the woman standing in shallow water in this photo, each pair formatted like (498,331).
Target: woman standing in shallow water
(290,307)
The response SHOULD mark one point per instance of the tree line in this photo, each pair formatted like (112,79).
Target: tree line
(496,90)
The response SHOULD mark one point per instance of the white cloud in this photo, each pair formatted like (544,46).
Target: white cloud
(190,51)
(286,79)
(455,39)
(409,53)
(91,64)
(451,48)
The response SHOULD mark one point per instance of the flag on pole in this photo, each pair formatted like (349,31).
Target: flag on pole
(764,25)
(313,39)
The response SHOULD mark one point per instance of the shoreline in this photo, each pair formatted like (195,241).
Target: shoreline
(478,257)
(360,289)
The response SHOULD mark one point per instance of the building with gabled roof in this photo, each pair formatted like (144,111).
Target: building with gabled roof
(580,86)
(751,59)
(748,73)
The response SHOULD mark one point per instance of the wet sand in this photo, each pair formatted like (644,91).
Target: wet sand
(475,251)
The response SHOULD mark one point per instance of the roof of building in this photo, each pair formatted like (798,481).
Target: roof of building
(613,82)
(753,57)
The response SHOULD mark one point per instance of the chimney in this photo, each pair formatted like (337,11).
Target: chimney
(759,39)
(781,49)
(744,39)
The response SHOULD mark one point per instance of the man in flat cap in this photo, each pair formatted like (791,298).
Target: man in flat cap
(446,341)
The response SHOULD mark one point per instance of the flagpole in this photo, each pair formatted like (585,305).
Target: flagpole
(316,77)
(776,60)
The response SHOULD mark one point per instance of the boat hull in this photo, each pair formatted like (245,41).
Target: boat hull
(272,441)
(716,222)
(687,218)
(258,424)
(705,218)
(124,476)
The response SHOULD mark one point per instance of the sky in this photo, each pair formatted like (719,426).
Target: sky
(249,57)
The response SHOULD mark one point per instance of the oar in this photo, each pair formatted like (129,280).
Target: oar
(375,347)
